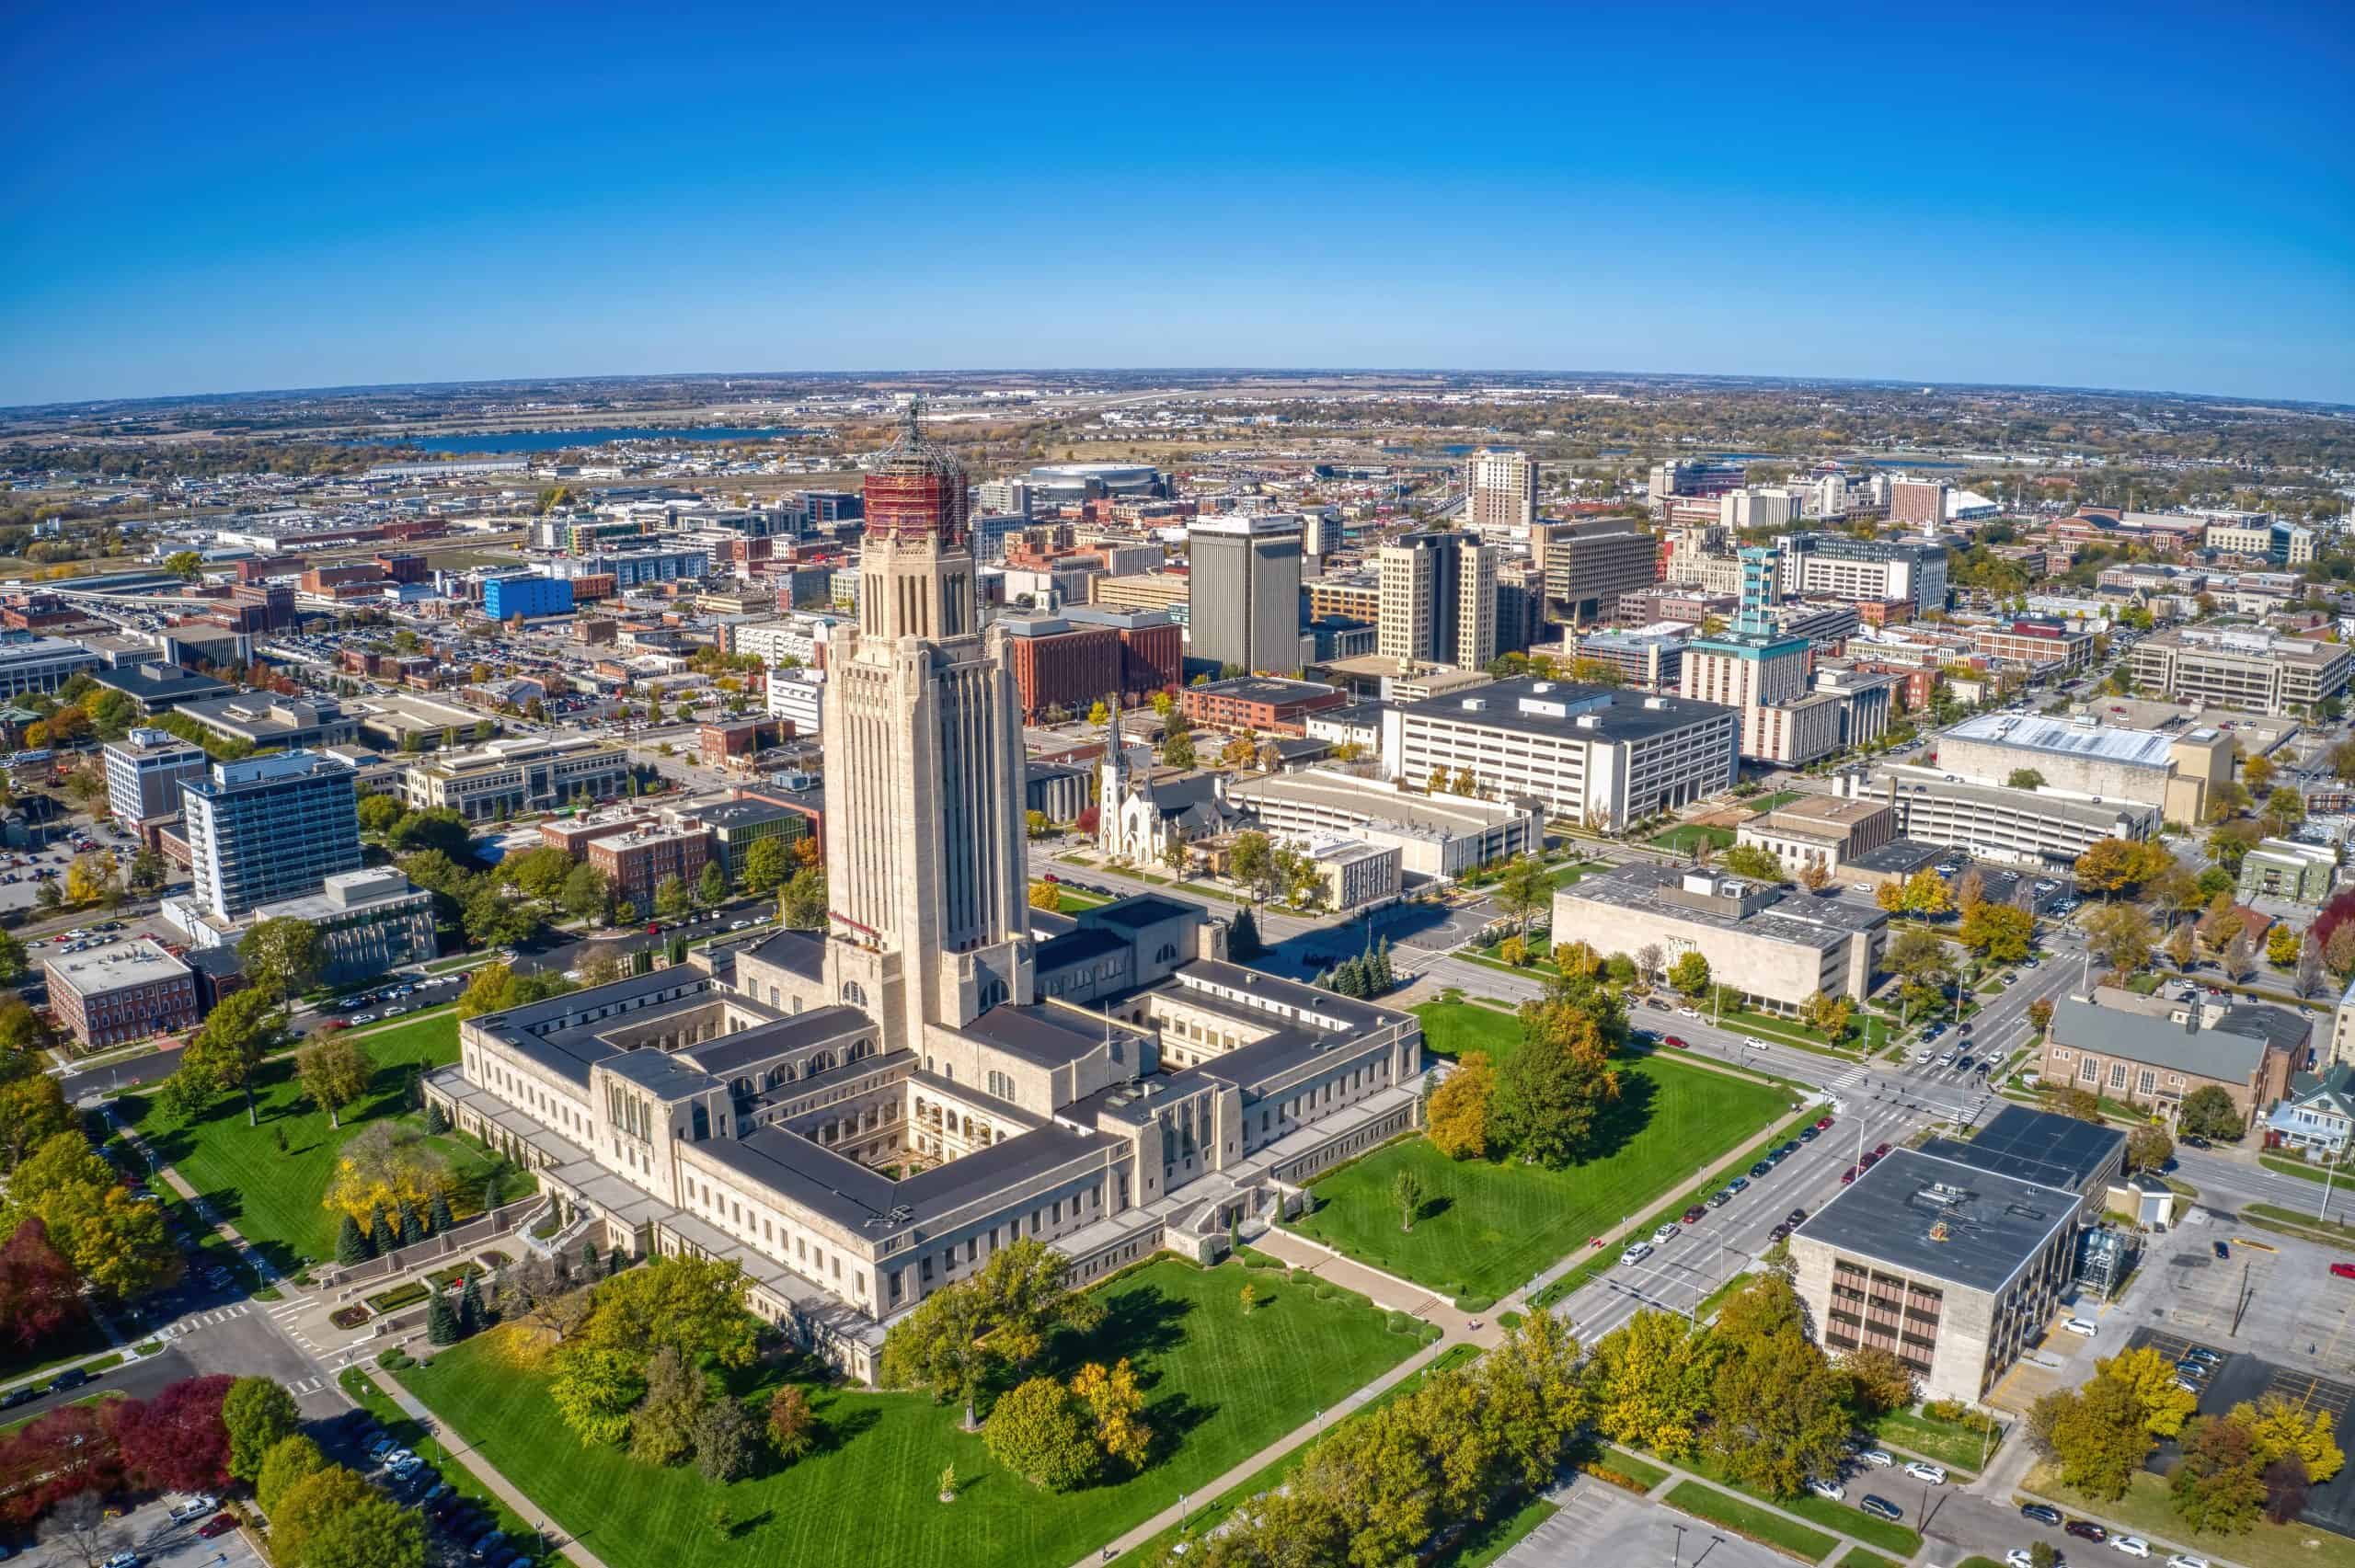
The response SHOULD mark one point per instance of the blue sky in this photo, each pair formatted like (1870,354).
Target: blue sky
(200,198)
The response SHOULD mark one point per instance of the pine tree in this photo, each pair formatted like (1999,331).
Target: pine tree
(350,1243)
(439,1217)
(407,1229)
(471,1316)
(1350,979)
(437,1120)
(381,1239)
(441,1320)
(377,1229)
(589,1268)
(614,1259)
(1384,977)
(1243,936)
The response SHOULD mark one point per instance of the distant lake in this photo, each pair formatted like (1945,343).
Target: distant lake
(557,440)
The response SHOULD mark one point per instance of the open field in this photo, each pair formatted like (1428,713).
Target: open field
(1219,1386)
(274,1198)
(1489,1225)
(1681,840)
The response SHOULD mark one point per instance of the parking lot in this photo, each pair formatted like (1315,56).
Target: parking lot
(2240,1376)
(2270,1292)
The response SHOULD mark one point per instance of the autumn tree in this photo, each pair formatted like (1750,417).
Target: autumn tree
(1880,1380)
(2114,865)
(2121,936)
(1457,1117)
(282,956)
(335,1071)
(1039,1431)
(41,1294)
(793,1426)
(257,1413)
(2002,932)
(1649,1380)
(1779,1411)
(2280,1429)
(2148,1148)
(1115,1404)
(1550,1092)
(2218,1486)
(228,1051)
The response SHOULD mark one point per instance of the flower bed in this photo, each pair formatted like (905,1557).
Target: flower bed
(350,1317)
(443,1278)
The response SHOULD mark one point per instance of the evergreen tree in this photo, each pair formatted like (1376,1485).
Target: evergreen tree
(407,1229)
(471,1315)
(437,1120)
(614,1259)
(1349,979)
(1243,936)
(438,1217)
(589,1266)
(376,1226)
(1384,977)
(440,1319)
(350,1244)
(381,1239)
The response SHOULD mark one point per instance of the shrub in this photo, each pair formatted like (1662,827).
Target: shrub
(396,1360)
(1302,1276)
(1399,1322)
(1474,1303)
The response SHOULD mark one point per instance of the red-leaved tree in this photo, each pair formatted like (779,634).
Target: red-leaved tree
(175,1442)
(41,1296)
(61,1452)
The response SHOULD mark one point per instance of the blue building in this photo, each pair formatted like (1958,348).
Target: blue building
(528,597)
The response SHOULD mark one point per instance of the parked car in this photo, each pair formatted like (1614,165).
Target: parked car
(1779,1232)
(2085,1326)
(196,1507)
(1823,1124)
(1807,1135)
(72,1378)
(2042,1513)
(1879,1457)
(1830,1489)
(1720,1198)
(1637,1254)
(1677,1041)
(1666,1231)
(1694,1215)
(2343,1270)
(2132,1545)
(2184,1559)
(1759,1169)
(1795,1217)
(1880,1508)
(1921,1470)
(1739,1184)
(1850,1175)
(2222,1251)
(217,1526)
(2085,1529)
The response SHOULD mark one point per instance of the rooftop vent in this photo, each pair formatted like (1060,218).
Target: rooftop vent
(1938,1231)
(1543,686)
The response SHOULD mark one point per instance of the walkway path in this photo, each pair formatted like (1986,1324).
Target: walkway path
(473,1460)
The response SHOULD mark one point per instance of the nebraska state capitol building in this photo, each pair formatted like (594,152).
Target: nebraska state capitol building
(860,1117)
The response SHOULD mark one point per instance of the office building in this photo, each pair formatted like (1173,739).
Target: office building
(1954,1269)
(1438,600)
(1587,567)
(1499,493)
(1919,503)
(1776,949)
(2177,771)
(738,825)
(861,1118)
(2154,1062)
(634,567)
(286,722)
(1712,477)
(2043,829)
(2039,643)
(370,923)
(126,990)
(158,686)
(1822,831)
(1251,704)
(1438,837)
(1592,755)
(1873,571)
(524,773)
(1650,658)
(640,859)
(1004,498)
(1761,673)
(1242,604)
(797,696)
(530,597)
(1760,507)
(2243,667)
(268,828)
(2284,868)
(30,664)
(144,772)
(1086,653)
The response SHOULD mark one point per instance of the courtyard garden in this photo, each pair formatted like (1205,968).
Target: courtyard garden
(1219,1383)
(270,1180)
(1486,1226)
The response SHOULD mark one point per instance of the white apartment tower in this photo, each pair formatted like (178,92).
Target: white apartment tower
(1500,492)
(924,768)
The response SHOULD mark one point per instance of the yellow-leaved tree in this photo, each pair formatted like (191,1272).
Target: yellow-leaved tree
(1459,1108)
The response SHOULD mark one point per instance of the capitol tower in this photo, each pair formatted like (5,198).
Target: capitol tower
(926,875)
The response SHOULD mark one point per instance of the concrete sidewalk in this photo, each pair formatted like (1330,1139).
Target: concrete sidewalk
(465,1454)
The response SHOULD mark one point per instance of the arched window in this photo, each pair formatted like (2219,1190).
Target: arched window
(854,993)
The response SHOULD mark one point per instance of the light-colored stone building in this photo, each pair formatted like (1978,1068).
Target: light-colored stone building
(1778,949)
(2244,667)
(1819,831)
(1438,836)
(525,773)
(2177,771)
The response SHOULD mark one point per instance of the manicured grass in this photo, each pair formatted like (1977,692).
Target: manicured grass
(1857,1557)
(1749,1519)
(1780,798)
(1495,1536)
(1567,875)
(2148,1508)
(1839,1517)
(1488,1225)
(1951,1443)
(1619,1461)
(522,1537)
(2315,1173)
(1219,1387)
(273,1198)
(1710,1304)
(1451,1028)
(2297,1222)
(1681,840)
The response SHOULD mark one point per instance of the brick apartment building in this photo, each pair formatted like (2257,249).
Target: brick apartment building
(639,859)
(1251,704)
(126,990)
(1080,654)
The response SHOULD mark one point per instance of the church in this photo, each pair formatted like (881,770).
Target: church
(859,1116)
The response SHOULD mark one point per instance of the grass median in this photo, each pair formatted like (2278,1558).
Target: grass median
(1747,1519)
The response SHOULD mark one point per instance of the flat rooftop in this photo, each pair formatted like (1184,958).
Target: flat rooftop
(1371,802)
(2131,748)
(1562,709)
(135,963)
(1941,1220)
(1821,923)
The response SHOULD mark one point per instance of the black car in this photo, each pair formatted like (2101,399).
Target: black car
(1761,1170)
(1795,1217)
(15,1397)
(1779,1232)
(2194,1140)
(1880,1508)
(2042,1513)
(2085,1529)
(1807,1135)
(1789,1149)
(72,1378)
(2220,1250)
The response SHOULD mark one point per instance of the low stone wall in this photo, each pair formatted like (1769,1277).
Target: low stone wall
(352,1278)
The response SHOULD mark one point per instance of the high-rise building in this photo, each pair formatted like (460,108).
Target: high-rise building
(926,876)
(1710,478)
(1835,565)
(269,827)
(1919,501)
(1499,492)
(1242,604)
(1586,565)
(144,772)
(1439,600)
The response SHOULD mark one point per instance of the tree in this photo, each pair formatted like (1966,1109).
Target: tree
(594,1389)
(440,1319)
(937,1346)
(802,905)
(712,886)
(2228,843)
(83,1527)
(1458,1116)
(1177,750)
(1027,1285)
(2284,809)
(1039,1431)
(2121,936)
(1780,1412)
(2182,945)
(2113,865)
(1550,1092)
(2160,1404)
(2148,1149)
(1926,894)
(373,1532)
(2218,1486)
(89,879)
(12,959)
(335,1071)
(2078,1105)
(258,1413)
(2039,1013)
(663,1427)
(352,1242)
(1115,1403)
(792,1425)
(2002,932)
(2283,944)
(1828,1016)
(1814,877)
(587,893)
(2096,1437)
(282,956)
(32,1111)
(290,1461)
(2025,778)
(1880,1381)
(1525,891)
(1243,936)
(1690,973)
(1650,1381)
(1751,861)
(766,865)
(41,1294)
(120,1246)
(2221,923)
(694,1305)
(2239,960)
(238,1034)
(378,813)
(2209,1112)
(1046,895)
(493,919)
(727,1441)
(2286,1486)
(2280,1429)
(2338,951)
(1406,1192)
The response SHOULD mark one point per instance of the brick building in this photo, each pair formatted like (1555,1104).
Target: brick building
(126,990)
(1258,705)
(1084,653)
(639,859)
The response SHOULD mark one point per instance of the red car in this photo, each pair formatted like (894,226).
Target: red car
(1879,1150)
(1694,1215)
(2344,1270)
(1677,1041)
(218,1525)
(1850,1175)
(1823,1124)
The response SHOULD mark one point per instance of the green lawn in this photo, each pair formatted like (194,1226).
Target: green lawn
(2148,1508)
(1219,1387)
(522,1536)
(1070,903)
(1775,801)
(2316,1173)
(1857,1557)
(1839,1517)
(273,1198)
(1493,1537)
(1949,1443)
(1681,840)
(1749,1519)
(1566,875)
(1619,1461)
(1488,1225)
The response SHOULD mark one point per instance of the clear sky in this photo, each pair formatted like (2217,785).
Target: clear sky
(198,198)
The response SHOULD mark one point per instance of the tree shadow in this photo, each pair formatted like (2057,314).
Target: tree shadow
(1618,1123)
(1137,1320)
(1171,1419)
(1432,1207)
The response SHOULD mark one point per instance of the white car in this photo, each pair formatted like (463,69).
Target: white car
(1637,1254)
(2085,1326)
(1687,1012)
(1881,1458)
(1830,1489)
(1668,1232)
(1921,1470)
(2019,1559)
(2184,1559)
(1753,1044)
(2132,1545)
(195,1507)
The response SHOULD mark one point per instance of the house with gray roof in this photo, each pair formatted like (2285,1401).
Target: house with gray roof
(2318,1116)
(2154,1062)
